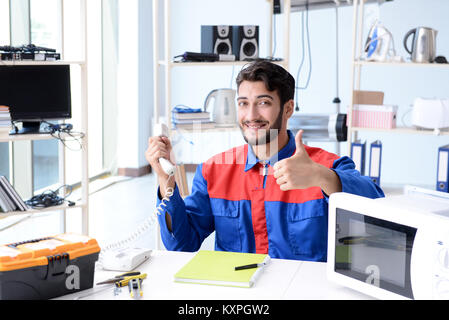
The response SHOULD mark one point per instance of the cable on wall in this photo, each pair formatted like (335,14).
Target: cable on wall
(304,26)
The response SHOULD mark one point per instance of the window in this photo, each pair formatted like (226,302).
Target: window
(46,23)
(4,40)
(4,22)
(45,17)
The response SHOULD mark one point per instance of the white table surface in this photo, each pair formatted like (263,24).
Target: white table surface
(310,283)
(281,279)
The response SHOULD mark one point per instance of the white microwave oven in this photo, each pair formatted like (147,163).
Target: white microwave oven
(395,247)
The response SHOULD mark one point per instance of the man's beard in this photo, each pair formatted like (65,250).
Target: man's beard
(270,134)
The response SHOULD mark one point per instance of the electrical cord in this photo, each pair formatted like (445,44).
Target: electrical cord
(62,131)
(274,36)
(298,87)
(151,220)
(50,198)
(272,58)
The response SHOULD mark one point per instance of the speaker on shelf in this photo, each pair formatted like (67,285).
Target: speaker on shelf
(216,39)
(245,42)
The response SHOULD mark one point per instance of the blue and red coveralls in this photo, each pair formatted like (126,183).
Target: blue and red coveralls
(236,195)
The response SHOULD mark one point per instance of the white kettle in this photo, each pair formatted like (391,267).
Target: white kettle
(224,112)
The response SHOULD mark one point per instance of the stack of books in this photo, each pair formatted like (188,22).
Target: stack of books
(10,200)
(5,119)
(188,118)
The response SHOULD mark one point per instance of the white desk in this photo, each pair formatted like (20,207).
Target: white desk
(281,279)
(310,283)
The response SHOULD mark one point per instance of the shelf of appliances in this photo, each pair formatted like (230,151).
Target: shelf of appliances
(404,130)
(358,62)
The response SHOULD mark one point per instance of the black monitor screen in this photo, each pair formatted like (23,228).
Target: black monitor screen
(36,92)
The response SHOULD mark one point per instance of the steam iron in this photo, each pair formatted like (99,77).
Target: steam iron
(379,43)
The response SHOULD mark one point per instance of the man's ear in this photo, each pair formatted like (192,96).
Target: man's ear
(289,107)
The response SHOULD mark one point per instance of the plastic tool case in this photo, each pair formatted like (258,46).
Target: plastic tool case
(48,267)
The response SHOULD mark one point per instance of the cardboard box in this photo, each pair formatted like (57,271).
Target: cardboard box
(368,97)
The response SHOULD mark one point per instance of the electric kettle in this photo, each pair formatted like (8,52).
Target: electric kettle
(423,44)
(224,112)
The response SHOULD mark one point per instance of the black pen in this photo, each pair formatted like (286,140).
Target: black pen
(249,266)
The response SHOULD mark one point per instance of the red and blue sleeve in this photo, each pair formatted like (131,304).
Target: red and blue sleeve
(353,182)
(191,218)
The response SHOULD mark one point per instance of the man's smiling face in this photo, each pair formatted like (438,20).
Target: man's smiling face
(259,112)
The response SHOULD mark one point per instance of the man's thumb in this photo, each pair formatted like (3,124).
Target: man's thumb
(298,141)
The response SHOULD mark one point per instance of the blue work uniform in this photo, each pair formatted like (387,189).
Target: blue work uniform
(236,195)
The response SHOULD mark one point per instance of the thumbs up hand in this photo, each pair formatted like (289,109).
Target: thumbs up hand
(301,172)
(298,171)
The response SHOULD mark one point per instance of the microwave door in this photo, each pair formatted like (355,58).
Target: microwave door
(374,251)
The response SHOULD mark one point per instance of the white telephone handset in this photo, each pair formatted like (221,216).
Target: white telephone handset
(161,130)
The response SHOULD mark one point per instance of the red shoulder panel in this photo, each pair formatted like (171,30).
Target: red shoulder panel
(224,174)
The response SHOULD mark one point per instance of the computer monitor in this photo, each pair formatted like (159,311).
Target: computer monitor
(35,93)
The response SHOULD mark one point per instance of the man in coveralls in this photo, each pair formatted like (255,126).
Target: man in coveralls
(267,196)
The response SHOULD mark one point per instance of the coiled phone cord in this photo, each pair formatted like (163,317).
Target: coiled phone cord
(151,220)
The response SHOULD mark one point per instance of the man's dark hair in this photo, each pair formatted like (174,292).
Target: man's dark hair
(274,76)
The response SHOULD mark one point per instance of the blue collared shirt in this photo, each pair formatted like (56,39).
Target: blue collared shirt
(286,152)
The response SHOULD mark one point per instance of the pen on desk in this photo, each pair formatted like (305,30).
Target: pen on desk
(249,266)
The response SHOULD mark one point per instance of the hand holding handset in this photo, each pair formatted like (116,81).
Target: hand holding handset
(161,130)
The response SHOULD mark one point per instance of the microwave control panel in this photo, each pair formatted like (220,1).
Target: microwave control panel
(441,269)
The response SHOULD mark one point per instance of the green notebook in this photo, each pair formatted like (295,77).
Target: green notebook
(217,268)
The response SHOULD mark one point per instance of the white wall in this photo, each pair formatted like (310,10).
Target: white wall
(406,158)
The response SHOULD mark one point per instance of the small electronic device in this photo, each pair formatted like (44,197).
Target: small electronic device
(216,39)
(48,94)
(396,247)
(320,127)
(189,56)
(161,130)
(379,45)
(28,52)
(431,113)
(125,259)
(245,42)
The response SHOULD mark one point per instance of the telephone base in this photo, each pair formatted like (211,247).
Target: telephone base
(125,259)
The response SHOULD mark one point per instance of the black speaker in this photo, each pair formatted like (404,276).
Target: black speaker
(216,39)
(245,42)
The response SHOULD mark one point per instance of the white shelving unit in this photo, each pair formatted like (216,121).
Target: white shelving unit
(358,64)
(82,64)
(168,64)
